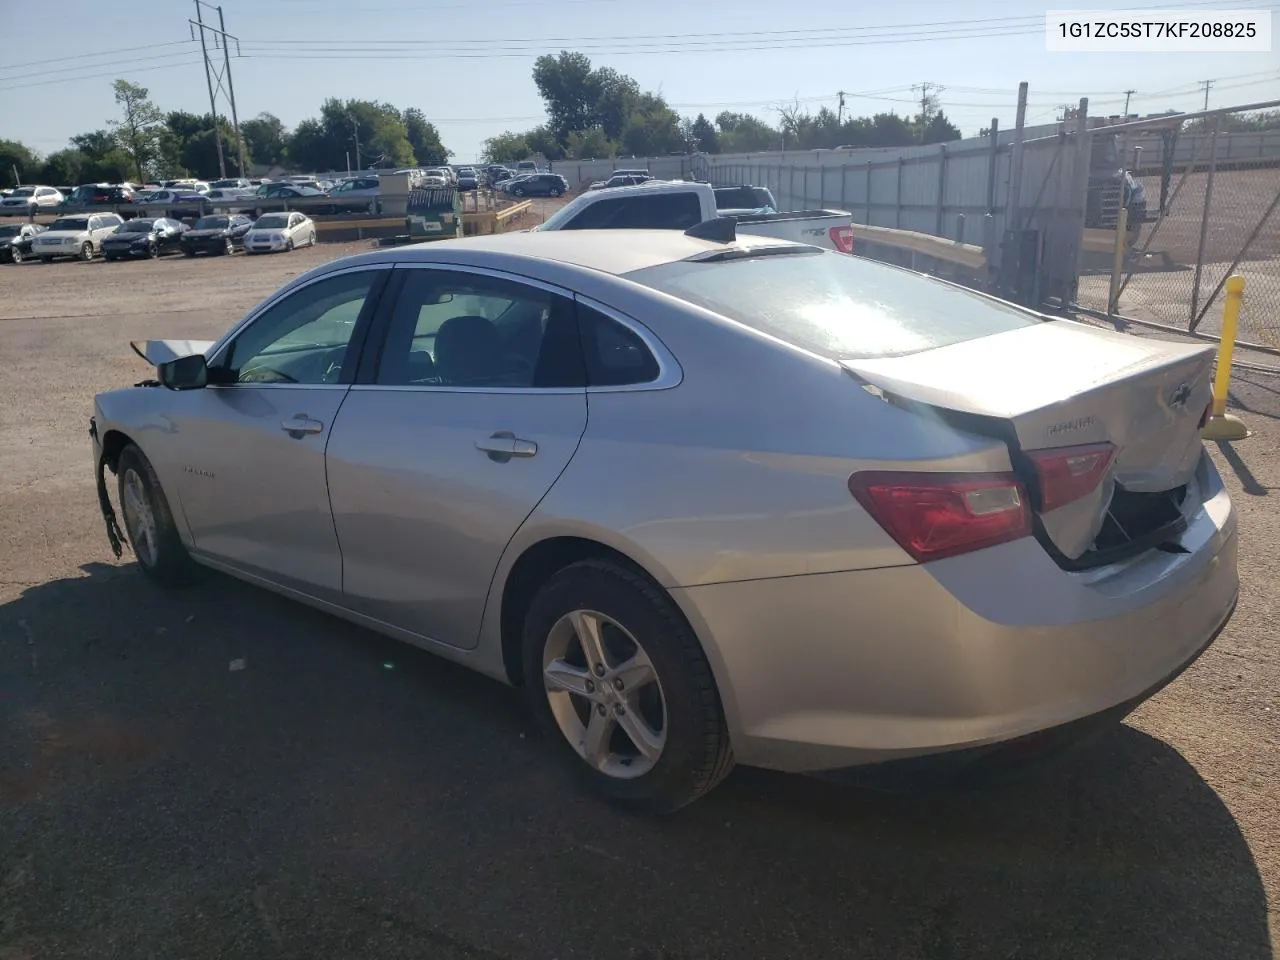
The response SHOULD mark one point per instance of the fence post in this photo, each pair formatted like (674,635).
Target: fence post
(868,196)
(1117,264)
(897,200)
(942,189)
(804,197)
(791,197)
(1222,425)
(1013,215)
(822,186)
(844,185)
(1080,175)
(1204,223)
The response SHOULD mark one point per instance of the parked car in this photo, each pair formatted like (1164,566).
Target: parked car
(468,180)
(677,205)
(15,240)
(229,194)
(274,232)
(357,194)
(528,168)
(219,233)
(27,200)
(621,180)
(144,237)
(231,183)
(76,235)
(170,197)
(950,564)
(539,185)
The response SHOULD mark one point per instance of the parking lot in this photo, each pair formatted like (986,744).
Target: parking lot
(219,772)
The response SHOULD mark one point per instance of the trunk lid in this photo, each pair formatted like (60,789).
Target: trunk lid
(1062,384)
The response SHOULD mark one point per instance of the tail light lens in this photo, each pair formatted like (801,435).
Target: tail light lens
(842,238)
(936,515)
(1068,473)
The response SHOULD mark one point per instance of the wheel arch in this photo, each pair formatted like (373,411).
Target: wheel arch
(536,564)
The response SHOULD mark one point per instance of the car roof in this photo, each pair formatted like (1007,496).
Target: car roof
(615,252)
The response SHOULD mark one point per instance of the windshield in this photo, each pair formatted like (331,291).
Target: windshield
(212,223)
(136,226)
(70,223)
(835,305)
(23,192)
(10,230)
(271,222)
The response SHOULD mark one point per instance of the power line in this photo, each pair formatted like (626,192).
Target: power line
(97,76)
(105,53)
(186,54)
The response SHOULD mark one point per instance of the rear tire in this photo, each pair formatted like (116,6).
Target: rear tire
(655,680)
(149,524)
(46,259)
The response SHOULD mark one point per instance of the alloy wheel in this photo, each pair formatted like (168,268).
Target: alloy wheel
(139,518)
(605,694)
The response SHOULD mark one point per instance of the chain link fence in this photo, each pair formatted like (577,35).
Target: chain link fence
(1203,202)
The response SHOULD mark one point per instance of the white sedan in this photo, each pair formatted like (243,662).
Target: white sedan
(273,232)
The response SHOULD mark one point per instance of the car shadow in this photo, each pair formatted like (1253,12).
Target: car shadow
(217,771)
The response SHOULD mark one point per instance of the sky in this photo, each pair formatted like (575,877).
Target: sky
(468,65)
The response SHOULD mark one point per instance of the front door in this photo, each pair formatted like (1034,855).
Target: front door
(478,404)
(251,468)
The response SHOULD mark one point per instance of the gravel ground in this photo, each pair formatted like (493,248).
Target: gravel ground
(346,796)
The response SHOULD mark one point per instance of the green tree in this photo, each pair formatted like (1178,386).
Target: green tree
(542,140)
(653,130)
(326,142)
(506,147)
(104,160)
(704,135)
(265,138)
(570,89)
(939,130)
(589,145)
(743,133)
(428,149)
(137,129)
(63,167)
(14,154)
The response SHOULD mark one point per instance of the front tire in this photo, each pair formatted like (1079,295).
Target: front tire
(228,248)
(86,251)
(518,192)
(149,524)
(616,676)
(15,255)
(153,251)
(288,245)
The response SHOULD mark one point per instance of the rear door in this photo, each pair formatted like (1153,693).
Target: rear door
(443,448)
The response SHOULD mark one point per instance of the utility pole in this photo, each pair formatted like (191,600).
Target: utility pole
(231,93)
(928,97)
(1206,84)
(214,77)
(208,79)
(1127,95)
(840,113)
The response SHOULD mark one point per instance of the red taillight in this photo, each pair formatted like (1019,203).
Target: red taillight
(936,515)
(842,238)
(1068,473)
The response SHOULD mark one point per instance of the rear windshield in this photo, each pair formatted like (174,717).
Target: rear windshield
(23,192)
(730,198)
(70,223)
(271,222)
(136,226)
(212,223)
(835,305)
(10,230)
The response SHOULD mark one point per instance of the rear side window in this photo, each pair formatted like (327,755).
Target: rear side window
(615,356)
(837,306)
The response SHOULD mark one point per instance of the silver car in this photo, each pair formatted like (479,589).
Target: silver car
(706,500)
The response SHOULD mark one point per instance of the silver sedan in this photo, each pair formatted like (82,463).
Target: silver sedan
(705,500)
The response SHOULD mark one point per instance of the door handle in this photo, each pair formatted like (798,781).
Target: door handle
(300,425)
(503,445)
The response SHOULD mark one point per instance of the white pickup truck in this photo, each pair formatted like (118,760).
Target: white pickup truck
(679,205)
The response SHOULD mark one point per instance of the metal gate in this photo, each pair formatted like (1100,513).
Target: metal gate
(1211,189)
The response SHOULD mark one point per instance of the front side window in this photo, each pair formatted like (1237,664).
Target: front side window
(465,330)
(306,337)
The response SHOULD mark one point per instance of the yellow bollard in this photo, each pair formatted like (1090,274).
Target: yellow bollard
(1222,425)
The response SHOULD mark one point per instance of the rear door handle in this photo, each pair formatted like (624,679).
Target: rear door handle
(300,425)
(503,445)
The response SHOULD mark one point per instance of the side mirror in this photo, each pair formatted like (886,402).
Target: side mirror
(185,373)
